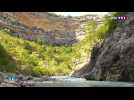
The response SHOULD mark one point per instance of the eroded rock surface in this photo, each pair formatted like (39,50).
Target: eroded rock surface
(114,58)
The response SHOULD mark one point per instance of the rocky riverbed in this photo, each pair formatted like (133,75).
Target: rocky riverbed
(12,80)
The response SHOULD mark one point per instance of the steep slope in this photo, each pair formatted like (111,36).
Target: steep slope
(35,58)
(32,58)
(42,27)
(113,59)
(43,20)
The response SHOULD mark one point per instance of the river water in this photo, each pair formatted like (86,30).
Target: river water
(66,81)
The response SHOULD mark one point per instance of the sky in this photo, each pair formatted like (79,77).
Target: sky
(79,13)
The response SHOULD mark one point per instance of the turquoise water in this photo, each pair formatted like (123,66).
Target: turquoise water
(65,81)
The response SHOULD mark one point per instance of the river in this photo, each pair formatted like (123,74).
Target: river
(57,81)
(66,81)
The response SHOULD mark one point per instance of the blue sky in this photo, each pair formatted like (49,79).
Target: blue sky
(79,13)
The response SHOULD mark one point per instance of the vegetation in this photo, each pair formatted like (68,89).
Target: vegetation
(96,34)
(33,58)
(26,57)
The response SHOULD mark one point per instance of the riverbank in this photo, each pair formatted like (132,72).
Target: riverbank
(12,80)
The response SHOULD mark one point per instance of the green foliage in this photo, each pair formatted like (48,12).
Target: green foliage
(33,58)
(18,55)
(111,23)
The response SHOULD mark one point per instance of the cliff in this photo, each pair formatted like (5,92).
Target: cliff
(43,27)
(113,60)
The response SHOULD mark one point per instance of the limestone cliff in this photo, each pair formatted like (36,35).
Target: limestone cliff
(114,58)
(43,26)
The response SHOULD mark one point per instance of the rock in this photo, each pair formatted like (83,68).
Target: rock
(25,83)
(114,59)
(29,78)
(45,78)
(84,71)
(38,79)
(7,85)
(62,31)
(20,77)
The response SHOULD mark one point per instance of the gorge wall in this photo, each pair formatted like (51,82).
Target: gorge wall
(113,60)
(44,27)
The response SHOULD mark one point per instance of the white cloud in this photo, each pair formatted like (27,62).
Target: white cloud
(79,13)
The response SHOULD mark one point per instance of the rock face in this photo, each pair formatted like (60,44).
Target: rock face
(114,59)
(42,27)
(84,71)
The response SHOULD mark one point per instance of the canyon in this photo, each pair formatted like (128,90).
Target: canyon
(48,47)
